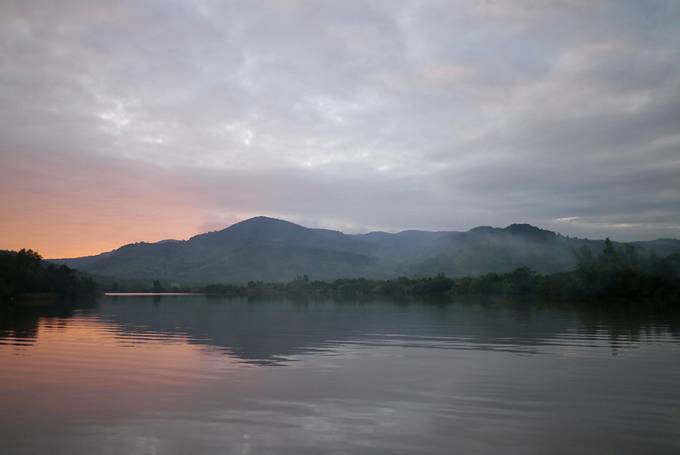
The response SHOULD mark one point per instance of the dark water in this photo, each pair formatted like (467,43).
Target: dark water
(190,375)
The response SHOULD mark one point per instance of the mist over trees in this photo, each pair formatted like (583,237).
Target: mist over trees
(616,273)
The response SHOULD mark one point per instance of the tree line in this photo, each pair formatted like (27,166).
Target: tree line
(617,272)
(25,272)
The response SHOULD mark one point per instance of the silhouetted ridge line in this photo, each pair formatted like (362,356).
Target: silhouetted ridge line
(269,249)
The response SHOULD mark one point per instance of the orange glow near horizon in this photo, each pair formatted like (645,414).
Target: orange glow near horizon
(66,242)
(66,232)
(76,228)
(64,209)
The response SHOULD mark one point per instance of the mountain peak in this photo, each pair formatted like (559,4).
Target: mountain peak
(262,227)
(263,221)
(528,230)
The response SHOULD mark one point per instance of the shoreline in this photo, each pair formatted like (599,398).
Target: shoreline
(164,294)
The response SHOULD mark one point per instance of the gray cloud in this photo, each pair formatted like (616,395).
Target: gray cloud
(355,115)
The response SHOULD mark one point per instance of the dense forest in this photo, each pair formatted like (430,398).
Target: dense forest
(618,272)
(24,272)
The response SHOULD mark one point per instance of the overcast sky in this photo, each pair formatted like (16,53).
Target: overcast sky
(144,120)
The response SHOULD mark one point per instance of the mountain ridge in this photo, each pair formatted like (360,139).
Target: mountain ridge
(270,249)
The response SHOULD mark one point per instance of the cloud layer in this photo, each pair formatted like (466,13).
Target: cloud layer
(125,121)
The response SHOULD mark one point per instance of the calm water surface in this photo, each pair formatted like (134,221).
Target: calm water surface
(191,374)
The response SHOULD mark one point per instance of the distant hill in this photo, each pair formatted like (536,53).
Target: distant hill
(268,249)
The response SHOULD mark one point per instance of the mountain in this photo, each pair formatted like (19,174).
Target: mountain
(268,249)
(260,248)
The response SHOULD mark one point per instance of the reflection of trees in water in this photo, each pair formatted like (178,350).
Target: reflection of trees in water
(19,323)
(629,320)
(631,324)
(269,331)
(623,323)
(266,331)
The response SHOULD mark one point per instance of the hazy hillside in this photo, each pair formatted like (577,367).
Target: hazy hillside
(268,249)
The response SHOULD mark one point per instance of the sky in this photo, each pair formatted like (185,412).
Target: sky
(125,121)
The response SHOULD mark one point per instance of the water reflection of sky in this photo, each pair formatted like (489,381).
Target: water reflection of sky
(190,374)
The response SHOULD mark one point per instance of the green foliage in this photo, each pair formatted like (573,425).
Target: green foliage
(621,272)
(625,272)
(24,272)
